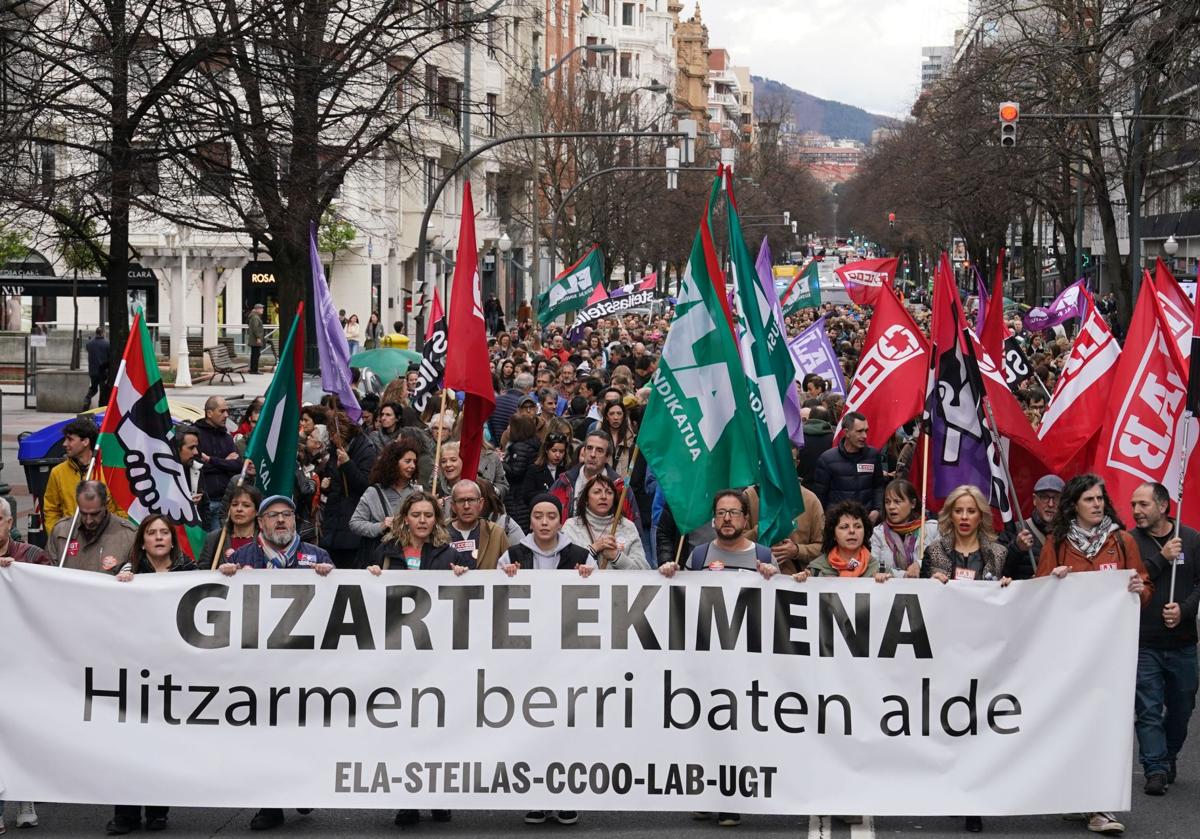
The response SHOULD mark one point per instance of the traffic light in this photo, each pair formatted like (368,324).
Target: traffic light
(1010,112)
(891,220)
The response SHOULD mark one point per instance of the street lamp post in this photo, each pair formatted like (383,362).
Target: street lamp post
(470,20)
(537,76)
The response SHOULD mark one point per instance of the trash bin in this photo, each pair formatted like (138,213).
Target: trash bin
(38,452)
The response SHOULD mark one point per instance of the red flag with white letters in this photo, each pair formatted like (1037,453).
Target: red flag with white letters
(889,384)
(864,279)
(1141,437)
(1076,410)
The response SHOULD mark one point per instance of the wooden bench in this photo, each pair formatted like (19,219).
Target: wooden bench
(224,364)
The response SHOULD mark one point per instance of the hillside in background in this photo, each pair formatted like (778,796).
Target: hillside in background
(809,113)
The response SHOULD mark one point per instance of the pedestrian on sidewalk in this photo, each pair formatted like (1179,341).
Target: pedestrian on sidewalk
(98,363)
(256,335)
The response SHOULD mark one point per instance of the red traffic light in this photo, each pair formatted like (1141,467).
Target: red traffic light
(1009,111)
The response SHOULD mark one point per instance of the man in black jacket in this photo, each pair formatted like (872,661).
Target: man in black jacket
(221,461)
(98,361)
(852,470)
(1167,667)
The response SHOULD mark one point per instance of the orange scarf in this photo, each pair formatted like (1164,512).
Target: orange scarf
(854,567)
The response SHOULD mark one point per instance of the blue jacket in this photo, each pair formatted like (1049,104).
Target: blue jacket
(306,556)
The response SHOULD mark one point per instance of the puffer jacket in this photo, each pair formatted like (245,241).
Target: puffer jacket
(347,483)
(842,476)
(517,462)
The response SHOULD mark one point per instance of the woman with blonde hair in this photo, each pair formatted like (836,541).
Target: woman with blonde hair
(966,548)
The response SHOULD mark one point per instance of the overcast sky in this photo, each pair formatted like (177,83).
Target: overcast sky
(861,52)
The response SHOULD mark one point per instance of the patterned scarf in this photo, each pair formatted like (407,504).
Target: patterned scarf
(277,558)
(902,539)
(1089,542)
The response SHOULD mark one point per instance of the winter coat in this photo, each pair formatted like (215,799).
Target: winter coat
(491,468)
(884,550)
(818,439)
(506,406)
(490,544)
(218,444)
(807,535)
(844,476)
(566,555)
(58,501)
(518,461)
(114,539)
(257,335)
(1119,552)
(564,491)
(376,504)
(941,556)
(346,487)
(433,558)
(632,558)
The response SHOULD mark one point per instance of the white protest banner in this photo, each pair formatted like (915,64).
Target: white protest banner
(625,691)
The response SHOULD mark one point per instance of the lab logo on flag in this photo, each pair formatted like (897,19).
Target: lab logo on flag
(899,345)
(1145,433)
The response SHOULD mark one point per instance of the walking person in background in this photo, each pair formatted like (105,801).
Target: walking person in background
(374,334)
(98,363)
(353,333)
(256,335)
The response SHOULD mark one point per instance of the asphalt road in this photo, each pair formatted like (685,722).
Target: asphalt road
(1175,816)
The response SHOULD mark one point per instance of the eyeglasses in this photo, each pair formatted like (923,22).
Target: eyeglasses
(279,514)
(728,514)
(467,500)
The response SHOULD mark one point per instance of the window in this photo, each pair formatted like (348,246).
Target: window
(449,100)
(589,57)
(626,68)
(404,82)
(492,106)
(212,162)
(431,177)
(493,35)
(490,203)
(627,14)
(431,91)
(47,170)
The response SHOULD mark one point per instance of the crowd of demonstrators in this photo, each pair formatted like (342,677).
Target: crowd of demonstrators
(561,485)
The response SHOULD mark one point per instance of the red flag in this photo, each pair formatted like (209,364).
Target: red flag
(1193,394)
(887,386)
(1076,410)
(865,278)
(994,329)
(1175,307)
(649,282)
(467,363)
(435,314)
(598,293)
(1141,438)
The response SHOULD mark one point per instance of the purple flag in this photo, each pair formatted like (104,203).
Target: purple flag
(331,340)
(814,354)
(766,278)
(1072,303)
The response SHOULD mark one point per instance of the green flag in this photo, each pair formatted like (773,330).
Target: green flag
(770,373)
(697,433)
(273,442)
(804,292)
(571,289)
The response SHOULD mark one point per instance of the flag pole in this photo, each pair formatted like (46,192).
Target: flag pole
(618,510)
(216,560)
(1012,489)
(437,453)
(1187,426)
(75,516)
(925,438)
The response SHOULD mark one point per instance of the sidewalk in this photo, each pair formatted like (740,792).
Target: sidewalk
(18,419)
